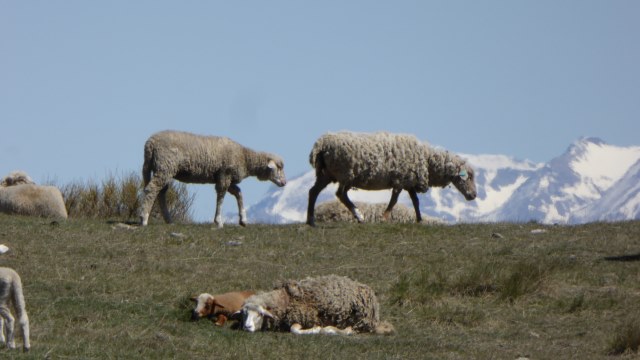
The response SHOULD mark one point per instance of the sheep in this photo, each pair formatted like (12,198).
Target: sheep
(220,307)
(192,158)
(21,196)
(334,211)
(325,301)
(384,161)
(11,290)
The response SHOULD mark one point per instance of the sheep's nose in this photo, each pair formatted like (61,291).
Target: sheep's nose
(195,315)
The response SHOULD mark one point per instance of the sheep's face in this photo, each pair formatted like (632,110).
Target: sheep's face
(274,173)
(205,306)
(253,317)
(464,181)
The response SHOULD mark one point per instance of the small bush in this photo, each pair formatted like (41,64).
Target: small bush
(118,198)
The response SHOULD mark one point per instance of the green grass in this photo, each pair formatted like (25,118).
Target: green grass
(97,291)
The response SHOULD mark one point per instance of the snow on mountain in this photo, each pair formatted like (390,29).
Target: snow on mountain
(621,201)
(568,183)
(564,190)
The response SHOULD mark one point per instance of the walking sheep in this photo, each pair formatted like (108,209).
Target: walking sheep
(331,300)
(384,161)
(199,159)
(21,196)
(11,291)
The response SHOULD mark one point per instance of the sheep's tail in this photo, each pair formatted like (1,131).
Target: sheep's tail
(316,158)
(148,159)
(384,328)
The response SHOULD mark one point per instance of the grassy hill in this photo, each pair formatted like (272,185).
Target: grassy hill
(96,289)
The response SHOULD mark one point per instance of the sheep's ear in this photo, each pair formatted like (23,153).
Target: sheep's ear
(236,315)
(450,169)
(272,165)
(194,298)
(463,174)
(266,313)
(216,303)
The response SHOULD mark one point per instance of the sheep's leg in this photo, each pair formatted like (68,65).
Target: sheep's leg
(394,199)
(321,183)
(3,340)
(162,198)
(221,191)
(9,322)
(344,198)
(23,321)
(235,191)
(416,204)
(151,191)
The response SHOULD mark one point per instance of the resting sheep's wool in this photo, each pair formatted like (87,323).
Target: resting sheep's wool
(334,211)
(21,196)
(322,301)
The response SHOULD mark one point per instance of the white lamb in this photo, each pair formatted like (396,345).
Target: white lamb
(384,161)
(200,159)
(11,291)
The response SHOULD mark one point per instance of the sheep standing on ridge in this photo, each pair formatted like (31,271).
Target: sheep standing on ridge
(21,196)
(11,291)
(199,159)
(326,304)
(384,161)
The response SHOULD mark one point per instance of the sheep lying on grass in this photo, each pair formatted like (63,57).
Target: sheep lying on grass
(199,159)
(384,161)
(313,304)
(220,307)
(21,196)
(11,291)
(334,211)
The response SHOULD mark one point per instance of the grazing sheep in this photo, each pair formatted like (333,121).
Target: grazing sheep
(331,300)
(220,306)
(384,161)
(21,196)
(199,159)
(11,291)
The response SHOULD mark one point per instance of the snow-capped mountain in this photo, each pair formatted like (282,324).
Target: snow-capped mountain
(592,180)
(621,201)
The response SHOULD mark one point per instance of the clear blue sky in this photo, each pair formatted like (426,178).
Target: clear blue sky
(84,83)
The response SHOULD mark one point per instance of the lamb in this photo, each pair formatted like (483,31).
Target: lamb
(200,159)
(220,307)
(325,304)
(11,290)
(21,196)
(384,161)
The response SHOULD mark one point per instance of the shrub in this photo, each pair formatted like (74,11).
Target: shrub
(118,197)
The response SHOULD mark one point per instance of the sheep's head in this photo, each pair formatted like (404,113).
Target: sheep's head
(463,179)
(16,178)
(274,172)
(252,317)
(206,305)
